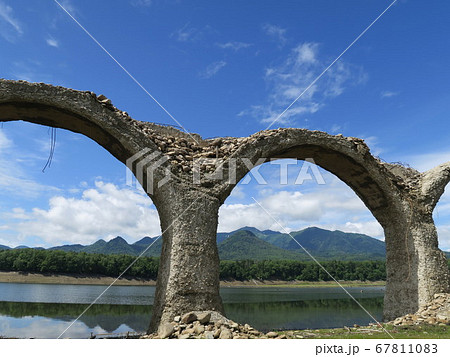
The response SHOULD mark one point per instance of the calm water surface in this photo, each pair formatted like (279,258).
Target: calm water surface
(46,310)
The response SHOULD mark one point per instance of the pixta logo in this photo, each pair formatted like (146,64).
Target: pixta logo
(145,164)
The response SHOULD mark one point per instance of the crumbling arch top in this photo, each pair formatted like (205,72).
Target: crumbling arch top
(77,111)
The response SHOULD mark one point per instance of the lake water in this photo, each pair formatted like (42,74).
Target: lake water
(46,310)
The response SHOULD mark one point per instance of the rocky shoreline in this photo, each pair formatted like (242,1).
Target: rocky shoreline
(437,312)
(207,325)
(212,325)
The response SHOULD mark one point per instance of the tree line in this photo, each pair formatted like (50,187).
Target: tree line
(306,271)
(60,262)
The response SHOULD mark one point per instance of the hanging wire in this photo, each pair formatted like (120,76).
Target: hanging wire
(52,148)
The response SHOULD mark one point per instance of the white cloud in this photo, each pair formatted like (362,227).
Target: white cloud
(276,33)
(296,211)
(14,185)
(142,3)
(43,327)
(293,78)
(105,211)
(212,69)
(52,42)
(67,4)
(444,237)
(4,141)
(335,128)
(388,94)
(331,206)
(371,228)
(186,34)
(10,27)
(236,46)
(306,53)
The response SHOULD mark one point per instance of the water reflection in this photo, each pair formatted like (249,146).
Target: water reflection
(80,294)
(308,314)
(48,320)
(44,311)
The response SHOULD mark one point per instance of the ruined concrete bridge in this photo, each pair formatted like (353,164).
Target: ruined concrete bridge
(401,199)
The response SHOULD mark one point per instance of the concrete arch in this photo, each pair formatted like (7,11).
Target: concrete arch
(85,113)
(347,158)
(179,288)
(401,199)
(80,112)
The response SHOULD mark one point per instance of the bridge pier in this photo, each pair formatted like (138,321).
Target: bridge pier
(416,268)
(188,276)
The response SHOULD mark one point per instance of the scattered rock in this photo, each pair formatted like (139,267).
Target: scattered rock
(225,334)
(254,332)
(434,313)
(199,329)
(165,330)
(204,318)
(207,325)
(188,318)
(234,325)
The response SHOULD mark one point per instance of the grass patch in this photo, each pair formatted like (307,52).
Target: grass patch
(374,332)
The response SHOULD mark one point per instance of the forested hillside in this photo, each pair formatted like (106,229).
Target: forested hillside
(59,262)
(251,243)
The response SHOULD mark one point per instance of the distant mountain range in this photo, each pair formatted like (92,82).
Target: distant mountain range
(251,243)
(320,243)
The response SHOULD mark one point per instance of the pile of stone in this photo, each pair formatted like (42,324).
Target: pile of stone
(184,151)
(207,325)
(437,312)
(182,148)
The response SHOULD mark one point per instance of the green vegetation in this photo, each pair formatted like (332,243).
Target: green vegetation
(270,262)
(375,332)
(246,245)
(306,271)
(251,243)
(59,262)
(117,245)
(328,245)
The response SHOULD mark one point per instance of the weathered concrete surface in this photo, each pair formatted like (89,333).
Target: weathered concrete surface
(189,270)
(401,199)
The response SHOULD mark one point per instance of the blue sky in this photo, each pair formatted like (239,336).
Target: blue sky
(221,69)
